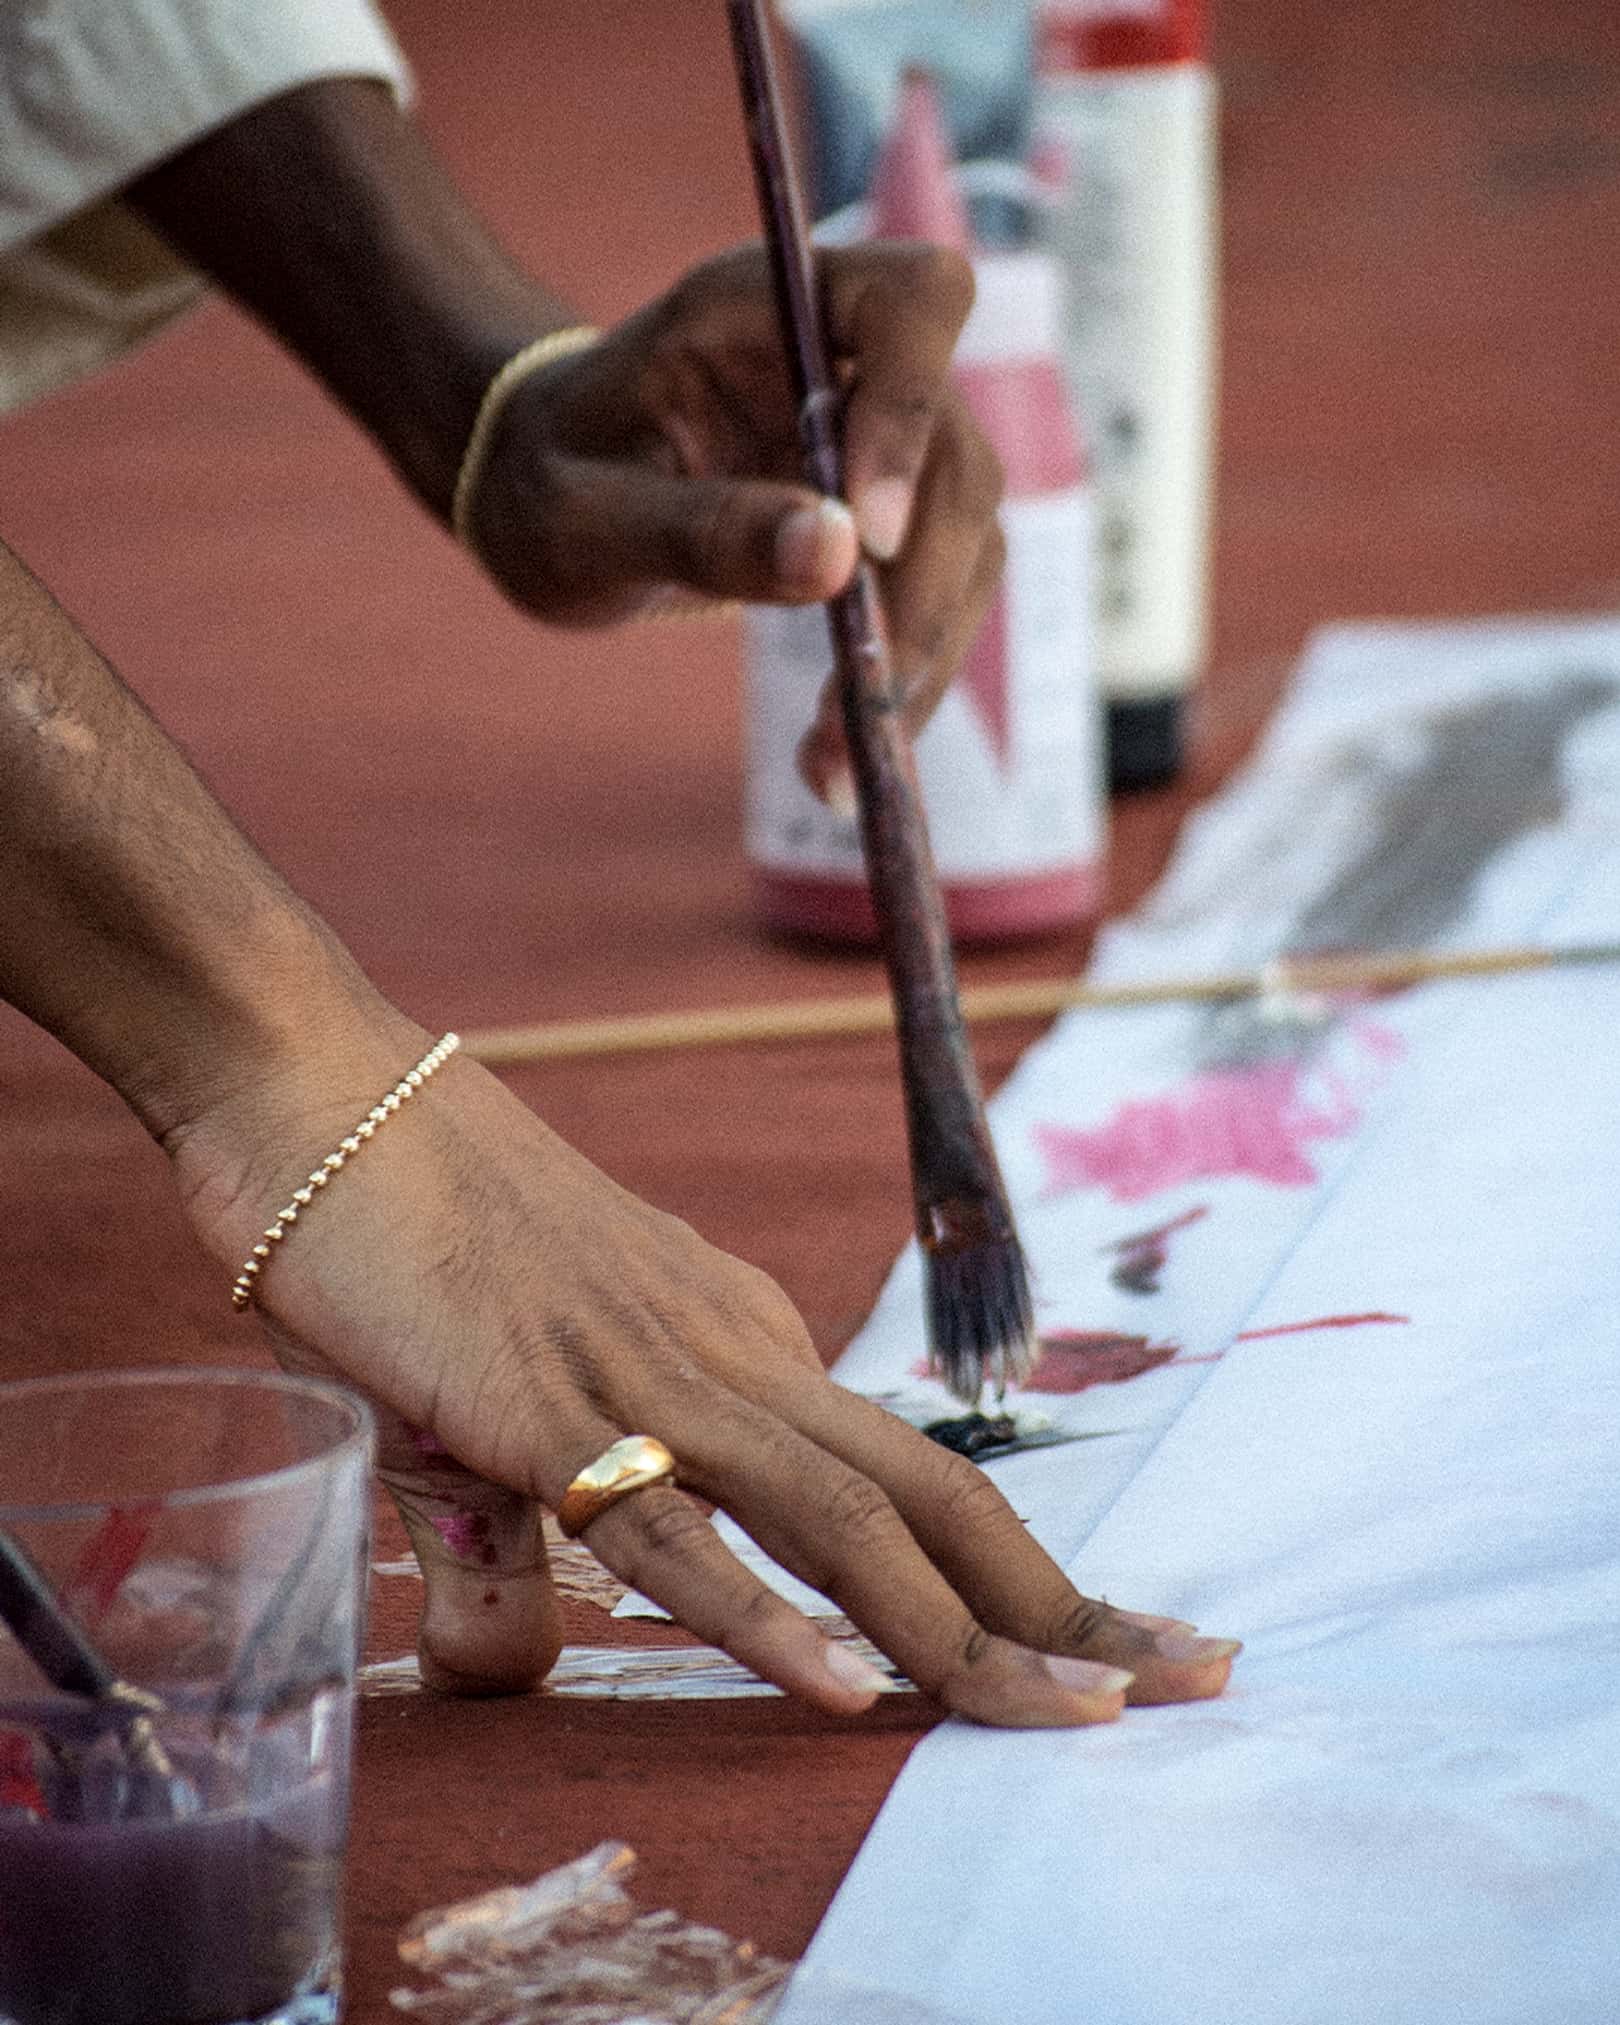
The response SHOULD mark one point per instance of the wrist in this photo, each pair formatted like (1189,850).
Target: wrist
(421,409)
(523,365)
(255,1028)
(278,1086)
(324,211)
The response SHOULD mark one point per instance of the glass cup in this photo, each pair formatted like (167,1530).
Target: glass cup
(171,1841)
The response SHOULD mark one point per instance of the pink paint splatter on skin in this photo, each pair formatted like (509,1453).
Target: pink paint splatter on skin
(466,1534)
(1258,1121)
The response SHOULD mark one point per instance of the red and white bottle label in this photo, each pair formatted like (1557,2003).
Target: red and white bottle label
(1010,765)
(1119,34)
(1132,225)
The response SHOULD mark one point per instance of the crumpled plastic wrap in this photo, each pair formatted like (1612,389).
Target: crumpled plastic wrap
(571,1949)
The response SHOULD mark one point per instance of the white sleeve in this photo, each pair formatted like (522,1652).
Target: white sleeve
(92,94)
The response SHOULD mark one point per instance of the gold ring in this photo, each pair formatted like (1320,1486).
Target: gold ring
(629,1465)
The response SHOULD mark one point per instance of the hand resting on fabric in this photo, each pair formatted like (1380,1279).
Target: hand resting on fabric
(516,1312)
(510,1310)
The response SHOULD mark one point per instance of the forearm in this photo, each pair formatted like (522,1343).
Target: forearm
(139,925)
(327,215)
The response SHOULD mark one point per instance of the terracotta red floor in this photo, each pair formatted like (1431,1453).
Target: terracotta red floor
(1420,414)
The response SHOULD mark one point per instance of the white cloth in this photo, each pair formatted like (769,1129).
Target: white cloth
(1372,1246)
(92,94)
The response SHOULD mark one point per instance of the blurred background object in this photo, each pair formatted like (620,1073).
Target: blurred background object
(1124,141)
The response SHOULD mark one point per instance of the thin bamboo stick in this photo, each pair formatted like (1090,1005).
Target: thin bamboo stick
(1029,999)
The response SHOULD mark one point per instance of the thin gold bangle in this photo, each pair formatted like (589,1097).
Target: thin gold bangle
(557,344)
(247,1280)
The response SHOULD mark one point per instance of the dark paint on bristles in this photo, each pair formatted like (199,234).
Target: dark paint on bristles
(981,1437)
(979,1314)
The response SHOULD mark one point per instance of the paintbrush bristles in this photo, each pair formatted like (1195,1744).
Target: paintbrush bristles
(981,1319)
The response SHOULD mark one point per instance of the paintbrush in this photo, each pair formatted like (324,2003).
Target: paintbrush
(68,1660)
(980,1317)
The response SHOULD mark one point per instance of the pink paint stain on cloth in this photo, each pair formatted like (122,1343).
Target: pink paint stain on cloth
(1257,1122)
(1319,1322)
(1073,1360)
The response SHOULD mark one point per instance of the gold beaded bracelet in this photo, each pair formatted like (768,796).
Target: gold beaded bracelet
(407,1086)
(556,345)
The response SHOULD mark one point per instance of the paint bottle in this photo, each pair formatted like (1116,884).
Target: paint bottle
(1011,764)
(1125,139)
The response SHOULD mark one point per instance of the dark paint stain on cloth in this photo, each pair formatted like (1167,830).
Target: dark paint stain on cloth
(1142,1257)
(1483,776)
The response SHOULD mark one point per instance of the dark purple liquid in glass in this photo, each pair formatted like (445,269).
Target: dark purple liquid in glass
(210,1904)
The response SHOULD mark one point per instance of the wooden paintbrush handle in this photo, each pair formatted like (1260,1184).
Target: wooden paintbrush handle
(44,1629)
(952,1159)
(953,1165)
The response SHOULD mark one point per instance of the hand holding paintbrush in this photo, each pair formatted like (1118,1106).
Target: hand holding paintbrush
(980,1319)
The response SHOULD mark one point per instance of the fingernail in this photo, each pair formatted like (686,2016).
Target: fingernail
(1147,1620)
(882,517)
(838,792)
(1086,1677)
(850,1671)
(1181,1650)
(803,541)
(824,768)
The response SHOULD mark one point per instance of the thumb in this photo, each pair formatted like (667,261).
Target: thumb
(490,1618)
(615,536)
